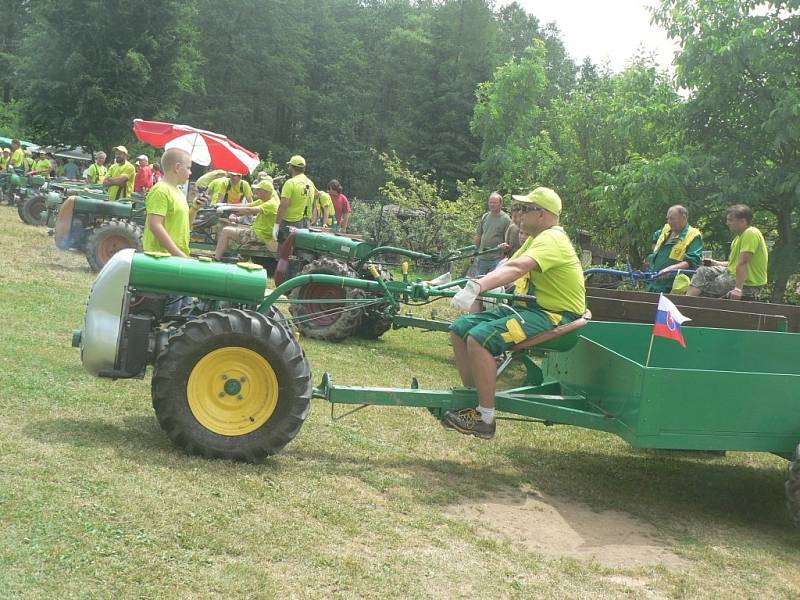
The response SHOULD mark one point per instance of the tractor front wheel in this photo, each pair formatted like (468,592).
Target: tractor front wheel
(109,238)
(30,210)
(232,384)
(329,321)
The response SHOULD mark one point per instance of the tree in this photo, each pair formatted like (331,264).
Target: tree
(87,68)
(739,60)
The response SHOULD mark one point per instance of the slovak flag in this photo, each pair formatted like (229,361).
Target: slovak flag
(668,321)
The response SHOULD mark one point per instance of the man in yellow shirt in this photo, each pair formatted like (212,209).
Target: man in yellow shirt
(297,196)
(745,272)
(17,157)
(40,167)
(323,211)
(97,171)
(121,175)
(546,265)
(4,158)
(265,208)
(169,218)
(230,190)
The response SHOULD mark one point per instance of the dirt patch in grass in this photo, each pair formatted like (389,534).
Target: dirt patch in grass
(559,528)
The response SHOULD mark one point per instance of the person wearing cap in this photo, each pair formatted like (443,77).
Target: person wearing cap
(265,208)
(677,246)
(297,196)
(168,221)
(97,171)
(144,174)
(4,158)
(323,211)
(17,158)
(231,189)
(121,175)
(41,166)
(490,234)
(27,162)
(546,265)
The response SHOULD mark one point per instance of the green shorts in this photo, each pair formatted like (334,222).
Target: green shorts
(500,328)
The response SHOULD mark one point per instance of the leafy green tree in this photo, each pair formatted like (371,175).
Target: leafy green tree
(87,67)
(739,60)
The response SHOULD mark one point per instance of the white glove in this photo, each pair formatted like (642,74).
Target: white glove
(464,299)
(275,229)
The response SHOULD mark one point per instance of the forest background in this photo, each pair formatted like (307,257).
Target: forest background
(430,105)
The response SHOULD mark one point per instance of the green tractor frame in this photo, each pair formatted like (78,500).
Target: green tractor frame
(231,381)
(26,192)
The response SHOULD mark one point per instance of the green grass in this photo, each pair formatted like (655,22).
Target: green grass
(96,502)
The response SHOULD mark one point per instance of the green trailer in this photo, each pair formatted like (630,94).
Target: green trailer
(230,379)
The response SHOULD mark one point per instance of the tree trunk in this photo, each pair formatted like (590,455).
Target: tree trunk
(784,254)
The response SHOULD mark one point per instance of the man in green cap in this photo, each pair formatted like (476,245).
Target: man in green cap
(297,197)
(264,209)
(546,266)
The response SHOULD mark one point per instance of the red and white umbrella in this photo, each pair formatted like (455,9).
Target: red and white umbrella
(205,147)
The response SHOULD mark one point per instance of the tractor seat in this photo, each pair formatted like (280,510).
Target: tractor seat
(558,339)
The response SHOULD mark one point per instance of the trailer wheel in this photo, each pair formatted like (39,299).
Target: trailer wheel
(232,384)
(792,488)
(109,238)
(30,210)
(331,322)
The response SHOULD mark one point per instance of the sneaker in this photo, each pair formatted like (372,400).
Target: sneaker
(468,421)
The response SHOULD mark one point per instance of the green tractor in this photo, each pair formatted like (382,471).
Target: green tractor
(231,381)
(26,192)
(99,228)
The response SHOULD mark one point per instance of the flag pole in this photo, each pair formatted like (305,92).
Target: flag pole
(649,351)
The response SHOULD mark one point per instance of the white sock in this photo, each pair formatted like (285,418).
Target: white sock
(487,414)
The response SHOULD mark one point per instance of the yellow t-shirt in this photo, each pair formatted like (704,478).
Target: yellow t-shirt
(323,201)
(218,187)
(300,192)
(116,170)
(750,240)
(205,180)
(4,162)
(96,173)
(169,202)
(16,158)
(42,166)
(265,219)
(557,282)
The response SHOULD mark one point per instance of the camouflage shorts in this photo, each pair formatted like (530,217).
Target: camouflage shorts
(717,281)
(246,235)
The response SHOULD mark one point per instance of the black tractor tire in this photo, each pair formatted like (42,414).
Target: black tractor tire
(30,210)
(792,488)
(333,326)
(108,238)
(205,420)
(374,326)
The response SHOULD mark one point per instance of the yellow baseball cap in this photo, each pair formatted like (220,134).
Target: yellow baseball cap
(297,161)
(122,149)
(264,185)
(544,197)
(6,149)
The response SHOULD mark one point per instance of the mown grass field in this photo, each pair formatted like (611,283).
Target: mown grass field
(96,503)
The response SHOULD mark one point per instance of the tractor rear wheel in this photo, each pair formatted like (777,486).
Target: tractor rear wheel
(232,384)
(30,210)
(792,488)
(332,322)
(109,238)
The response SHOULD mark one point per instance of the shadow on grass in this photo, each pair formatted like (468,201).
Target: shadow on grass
(656,488)
(139,439)
(679,492)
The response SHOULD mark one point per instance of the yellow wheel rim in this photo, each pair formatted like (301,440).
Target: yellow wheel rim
(232,391)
